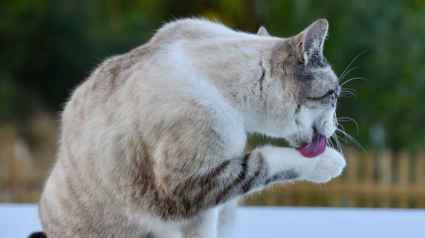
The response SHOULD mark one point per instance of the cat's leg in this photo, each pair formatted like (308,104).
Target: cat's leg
(226,219)
(233,177)
(216,222)
(265,166)
(204,225)
(158,228)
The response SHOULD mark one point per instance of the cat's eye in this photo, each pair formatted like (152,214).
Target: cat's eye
(330,93)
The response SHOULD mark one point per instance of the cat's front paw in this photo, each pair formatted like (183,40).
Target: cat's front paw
(326,166)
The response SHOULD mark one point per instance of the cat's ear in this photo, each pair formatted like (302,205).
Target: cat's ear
(263,32)
(312,39)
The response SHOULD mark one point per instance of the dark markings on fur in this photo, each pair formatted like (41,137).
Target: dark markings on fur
(276,57)
(76,207)
(283,176)
(298,108)
(115,71)
(221,197)
(164,203)
(261,165)
(302,74)
(262,78)
(48,214)
(149,235)
(76,186)
(187,205)
(210,176)
(241,176)
(71,195)
(317,60)
(212,188)
(308,78)
(219,169)
(182,188)
(244,170)
(69,200)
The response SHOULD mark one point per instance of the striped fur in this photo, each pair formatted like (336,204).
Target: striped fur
(151,144)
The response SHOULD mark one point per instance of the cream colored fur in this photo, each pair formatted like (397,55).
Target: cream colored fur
(151,143)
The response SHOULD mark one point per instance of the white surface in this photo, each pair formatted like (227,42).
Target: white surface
(18,220)
(21,220)
(330,222)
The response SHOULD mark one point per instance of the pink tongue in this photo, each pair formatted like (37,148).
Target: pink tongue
(315,148)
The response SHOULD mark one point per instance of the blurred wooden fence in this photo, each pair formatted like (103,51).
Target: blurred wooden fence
(27,153)
(21,177)
(369,180)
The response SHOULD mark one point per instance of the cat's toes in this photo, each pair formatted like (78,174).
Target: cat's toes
(328,165)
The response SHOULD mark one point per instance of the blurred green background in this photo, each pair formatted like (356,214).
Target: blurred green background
(48,47)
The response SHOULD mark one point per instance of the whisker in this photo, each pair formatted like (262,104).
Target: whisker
(343,75)
(343,139)
(342,130)
(349,80)
(343,90)
(346,95)
(353,61)
(356,143)
(334,140)
(352,139)
(340,125)
(348,91)
(338,144)
(345,119)
(330,144)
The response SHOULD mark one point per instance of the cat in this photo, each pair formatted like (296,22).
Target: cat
(151,144)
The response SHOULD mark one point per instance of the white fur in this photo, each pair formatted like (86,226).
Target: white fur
(193,67)
(319,169)
(218,70)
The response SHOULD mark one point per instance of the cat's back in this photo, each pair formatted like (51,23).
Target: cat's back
(191,29)
(154,74)
(152,58)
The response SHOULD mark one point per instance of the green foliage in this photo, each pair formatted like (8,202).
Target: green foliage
(48,47)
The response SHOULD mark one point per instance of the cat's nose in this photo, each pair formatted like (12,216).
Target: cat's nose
(337,91)
(333,94)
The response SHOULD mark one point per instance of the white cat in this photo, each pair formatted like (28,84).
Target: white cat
(151,143)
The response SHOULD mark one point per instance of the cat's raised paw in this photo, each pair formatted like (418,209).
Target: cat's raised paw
(326,166)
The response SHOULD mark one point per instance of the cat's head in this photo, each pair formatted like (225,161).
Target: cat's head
(301,87)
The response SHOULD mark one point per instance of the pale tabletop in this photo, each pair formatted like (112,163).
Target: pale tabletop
(19,220)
